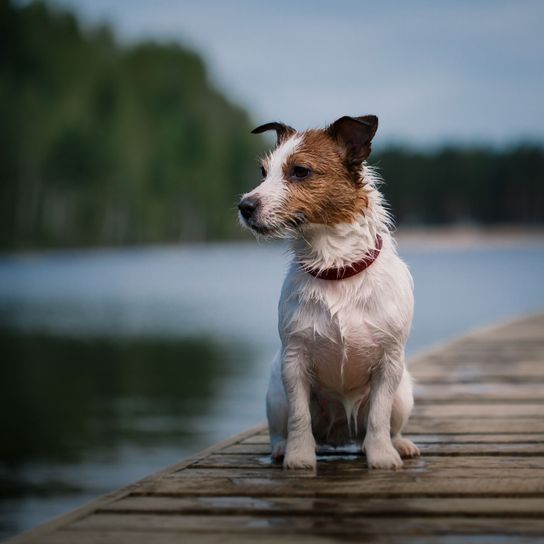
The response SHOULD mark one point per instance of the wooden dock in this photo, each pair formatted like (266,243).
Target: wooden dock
(479,421)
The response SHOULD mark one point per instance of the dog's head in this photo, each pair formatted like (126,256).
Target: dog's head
(311,177)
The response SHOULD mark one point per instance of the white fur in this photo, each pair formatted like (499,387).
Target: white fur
(340,374)
(272,191)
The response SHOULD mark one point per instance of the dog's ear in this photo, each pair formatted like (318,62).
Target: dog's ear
(354,134)
(282,131)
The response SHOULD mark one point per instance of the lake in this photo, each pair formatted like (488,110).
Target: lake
(116,363)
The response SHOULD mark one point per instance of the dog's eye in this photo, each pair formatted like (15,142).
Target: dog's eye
(301,172)
(263,171)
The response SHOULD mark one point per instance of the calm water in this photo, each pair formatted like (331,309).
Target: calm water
(116,363)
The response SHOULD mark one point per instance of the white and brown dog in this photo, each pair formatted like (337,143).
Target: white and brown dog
(347,301)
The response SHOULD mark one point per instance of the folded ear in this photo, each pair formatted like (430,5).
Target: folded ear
(282,131)
(354,134)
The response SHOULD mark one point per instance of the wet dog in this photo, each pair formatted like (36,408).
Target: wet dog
(346,305)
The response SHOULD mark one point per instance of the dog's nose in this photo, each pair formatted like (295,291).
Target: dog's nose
(248,205)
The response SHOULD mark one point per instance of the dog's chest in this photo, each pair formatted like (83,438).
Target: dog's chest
(341,344)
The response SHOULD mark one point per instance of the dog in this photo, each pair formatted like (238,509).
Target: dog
(346,305)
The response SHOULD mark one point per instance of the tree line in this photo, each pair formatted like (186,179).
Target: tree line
(465,185)
(109,144)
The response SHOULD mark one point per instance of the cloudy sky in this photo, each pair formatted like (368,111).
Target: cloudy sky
(433,71)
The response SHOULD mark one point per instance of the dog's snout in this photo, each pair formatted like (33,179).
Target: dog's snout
(248,205)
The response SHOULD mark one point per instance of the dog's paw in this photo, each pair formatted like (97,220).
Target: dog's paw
(382,455)
(405,447)
(299,455)
(278,451)
(299,462)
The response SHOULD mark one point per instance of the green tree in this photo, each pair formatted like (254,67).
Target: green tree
(103,144)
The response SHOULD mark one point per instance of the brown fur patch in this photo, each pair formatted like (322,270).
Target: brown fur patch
(329,195)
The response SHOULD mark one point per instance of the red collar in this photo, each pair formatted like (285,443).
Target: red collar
(352,269)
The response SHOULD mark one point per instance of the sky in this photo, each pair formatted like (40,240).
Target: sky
(435,72)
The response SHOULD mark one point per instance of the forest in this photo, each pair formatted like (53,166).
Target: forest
(103,143)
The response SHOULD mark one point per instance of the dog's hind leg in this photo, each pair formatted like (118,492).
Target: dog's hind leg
(402,407)
(277,411)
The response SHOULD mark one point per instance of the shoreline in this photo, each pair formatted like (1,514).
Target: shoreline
(466,237)
(433,238)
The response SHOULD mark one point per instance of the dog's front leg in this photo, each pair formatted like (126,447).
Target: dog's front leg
(300,447)
(384,382)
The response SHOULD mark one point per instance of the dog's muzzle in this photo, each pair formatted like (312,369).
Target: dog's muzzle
(248,206)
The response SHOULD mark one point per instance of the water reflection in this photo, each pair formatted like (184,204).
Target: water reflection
(70,407)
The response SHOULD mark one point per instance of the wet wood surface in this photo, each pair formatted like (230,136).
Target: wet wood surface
(479,424)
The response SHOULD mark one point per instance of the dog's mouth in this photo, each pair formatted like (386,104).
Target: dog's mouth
(259,228)
(288,228)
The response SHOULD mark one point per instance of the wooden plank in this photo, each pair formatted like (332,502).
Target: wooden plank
(430,438)
(426,506)
(444,425)
(478,375)
(452,482)
(216,536)
(262,451)
(501,359)
(479,392)
(459,368)
(253,455)
(460,438)
(213,536)
(382,525)
(340,468)
(481,410)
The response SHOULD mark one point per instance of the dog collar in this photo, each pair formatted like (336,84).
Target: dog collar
(352,269)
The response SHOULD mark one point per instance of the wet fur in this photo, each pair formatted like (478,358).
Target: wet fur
(340,374)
